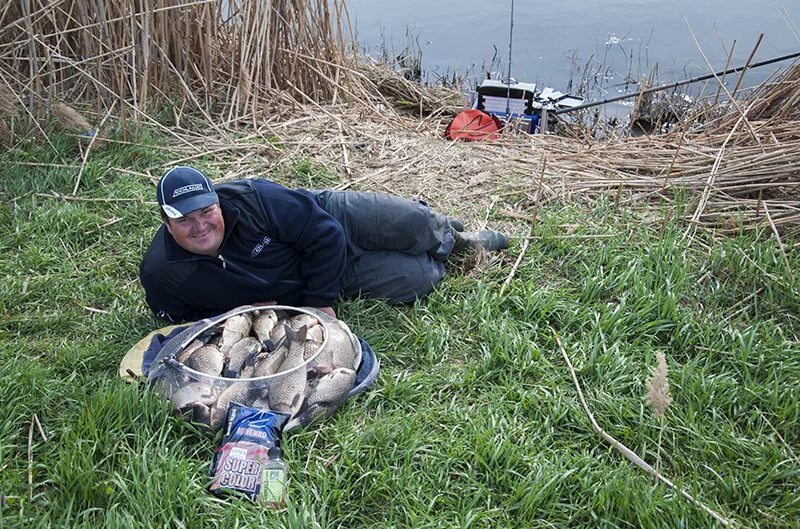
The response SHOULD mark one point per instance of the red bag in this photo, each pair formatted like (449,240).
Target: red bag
(473,125)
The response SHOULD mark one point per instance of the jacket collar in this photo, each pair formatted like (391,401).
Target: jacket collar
(176,254)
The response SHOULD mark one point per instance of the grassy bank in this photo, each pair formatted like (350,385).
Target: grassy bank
(474,420)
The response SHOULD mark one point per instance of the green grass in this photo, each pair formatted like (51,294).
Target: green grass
(474,420)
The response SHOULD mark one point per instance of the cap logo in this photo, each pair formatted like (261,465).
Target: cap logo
(187,189)
(171,212)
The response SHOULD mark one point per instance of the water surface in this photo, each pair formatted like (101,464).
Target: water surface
(554,43)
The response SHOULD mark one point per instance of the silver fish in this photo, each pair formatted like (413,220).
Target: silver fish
(302,320)
(209,336)
(249,365)
(278,333)
(191,393)
(188,350)
(198,413)
(207,359)
(331,388)
(342,348)
(319,370)
(193,412)
(269,363)
(244,349)
(235,328)
(286,395)
(264,323)
(310,348)
(262,401)
(309,415)
(191,402)
(237,392)
(315,334)
(314,338)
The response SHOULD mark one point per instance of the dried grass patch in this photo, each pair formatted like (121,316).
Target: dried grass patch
(731,172)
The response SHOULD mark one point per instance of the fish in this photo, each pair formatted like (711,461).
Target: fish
(309,415)
(198,413)
(209,336)
(323,396)
(249,365)
(315,334)
(188,350)
(269,363)
(319,370)
(287,394)
(331,388)
(302,320)
(314,338)
(244,349)
(277,334)
(310,349)
(263,343)
(247,371)
(342,348)
(263,324)
(262,401)
(207,359)
(192,401)
(193,392)
(238,392)
(234,329)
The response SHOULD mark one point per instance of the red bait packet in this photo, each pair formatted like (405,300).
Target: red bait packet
(242,459)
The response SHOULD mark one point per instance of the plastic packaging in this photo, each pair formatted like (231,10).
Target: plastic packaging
(276,477)
(242,462)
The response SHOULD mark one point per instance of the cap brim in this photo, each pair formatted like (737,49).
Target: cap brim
(184,207)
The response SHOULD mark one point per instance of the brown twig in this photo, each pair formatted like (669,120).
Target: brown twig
(89,199)
(516,263)
(780,243)
(39,427)
(89,147)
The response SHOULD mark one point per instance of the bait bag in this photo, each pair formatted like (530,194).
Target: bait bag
(241,459)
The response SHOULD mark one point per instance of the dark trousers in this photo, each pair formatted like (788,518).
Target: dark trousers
(396,246)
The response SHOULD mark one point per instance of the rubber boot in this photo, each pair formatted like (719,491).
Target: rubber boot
(456,224)
(487,239)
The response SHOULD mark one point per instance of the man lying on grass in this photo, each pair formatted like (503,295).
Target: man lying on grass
(254,241)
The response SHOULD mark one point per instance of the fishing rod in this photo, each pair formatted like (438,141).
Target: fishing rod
(508,79)
(676,84)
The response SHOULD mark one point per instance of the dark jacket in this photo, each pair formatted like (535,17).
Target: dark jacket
(279,245)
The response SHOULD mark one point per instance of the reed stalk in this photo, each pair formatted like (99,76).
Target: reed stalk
(222,55)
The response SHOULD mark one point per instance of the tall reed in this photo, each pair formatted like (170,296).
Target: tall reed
(218,55)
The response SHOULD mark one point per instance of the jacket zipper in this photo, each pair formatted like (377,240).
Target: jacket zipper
(224,262)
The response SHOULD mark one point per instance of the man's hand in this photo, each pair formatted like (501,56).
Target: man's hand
(328,310)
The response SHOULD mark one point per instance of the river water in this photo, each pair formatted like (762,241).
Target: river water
(602,42)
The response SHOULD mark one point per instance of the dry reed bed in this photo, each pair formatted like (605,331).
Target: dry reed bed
(226,59)
(737,175)
(220,55)
(284,69)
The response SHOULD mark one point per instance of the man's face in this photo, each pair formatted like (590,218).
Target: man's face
(200,231)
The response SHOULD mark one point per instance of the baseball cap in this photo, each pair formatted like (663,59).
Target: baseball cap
(184,189)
